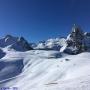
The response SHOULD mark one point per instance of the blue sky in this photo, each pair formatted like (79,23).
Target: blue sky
(38,20)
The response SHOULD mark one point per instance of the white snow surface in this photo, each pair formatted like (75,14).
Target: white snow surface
(43,70)
(54,44)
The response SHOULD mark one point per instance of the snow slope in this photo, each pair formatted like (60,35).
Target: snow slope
(45,70)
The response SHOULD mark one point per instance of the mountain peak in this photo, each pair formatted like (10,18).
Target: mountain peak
(76,29)
(17,43)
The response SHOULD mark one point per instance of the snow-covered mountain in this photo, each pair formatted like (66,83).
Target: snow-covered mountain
(76,42)
(16,43)
(50,66)
(52,44)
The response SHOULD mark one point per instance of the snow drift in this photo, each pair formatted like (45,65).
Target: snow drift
(43,70)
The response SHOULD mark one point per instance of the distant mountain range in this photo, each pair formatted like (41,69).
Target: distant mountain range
(76,42)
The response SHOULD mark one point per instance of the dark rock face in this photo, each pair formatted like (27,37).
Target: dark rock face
(24,43)
(87,40)
(75,41)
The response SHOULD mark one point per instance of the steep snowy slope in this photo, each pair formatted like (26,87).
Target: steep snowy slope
(45,70)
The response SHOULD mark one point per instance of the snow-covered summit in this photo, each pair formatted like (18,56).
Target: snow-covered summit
(16,43)
(78,41)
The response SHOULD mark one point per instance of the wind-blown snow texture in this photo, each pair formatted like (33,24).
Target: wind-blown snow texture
(45,70)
